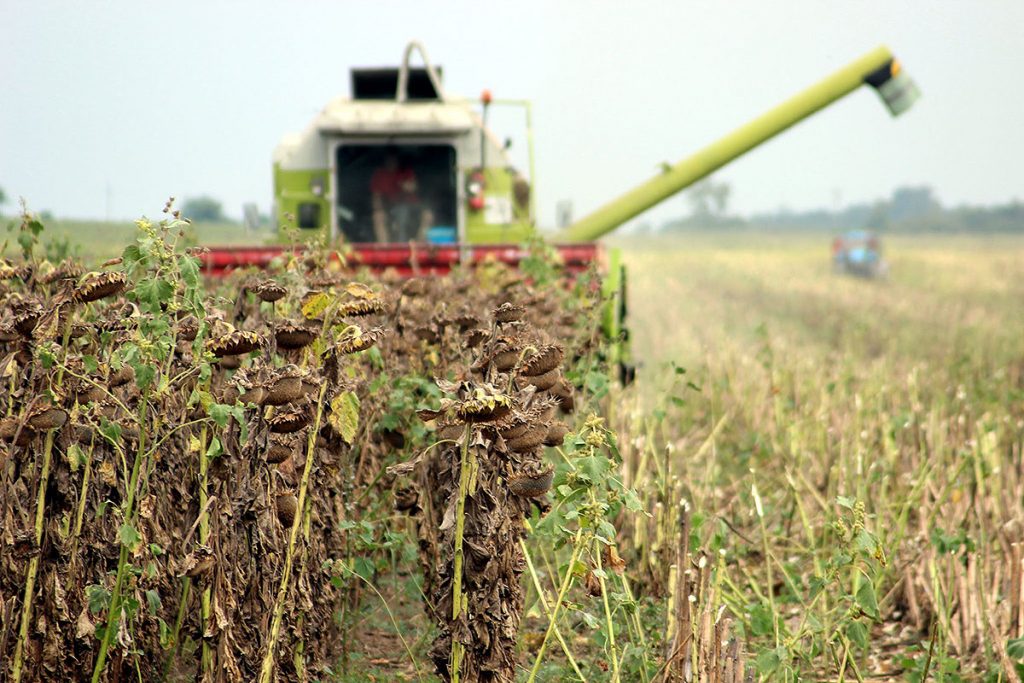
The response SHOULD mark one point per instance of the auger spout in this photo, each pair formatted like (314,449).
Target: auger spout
(877,68)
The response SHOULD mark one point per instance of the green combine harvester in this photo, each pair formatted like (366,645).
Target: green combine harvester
(413,179)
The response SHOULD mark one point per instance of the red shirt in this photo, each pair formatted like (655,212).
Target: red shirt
(388,183)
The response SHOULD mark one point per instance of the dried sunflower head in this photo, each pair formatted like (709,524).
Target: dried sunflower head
(288,421)
(66,270)
(466,321)
(284,386)
(474,338)
(188,328)
(360,307)
(291,335)
(25,315)
(268,290)
(483,404)
(533,484)
(9,271)
(356,340)
(95,286)
(545,381)
(235,343)
(416,286)
(509,312)
(45,417)
(546,358)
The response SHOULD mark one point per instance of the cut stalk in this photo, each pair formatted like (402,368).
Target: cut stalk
(547,611)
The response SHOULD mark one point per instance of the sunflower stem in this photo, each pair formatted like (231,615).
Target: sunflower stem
(33,565)
(204,537)
(458,649)
(267,668)
(114,615)
(566,583)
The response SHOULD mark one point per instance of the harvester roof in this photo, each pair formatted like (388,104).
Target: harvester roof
(382,117)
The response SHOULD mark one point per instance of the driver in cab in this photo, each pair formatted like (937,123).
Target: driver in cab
(398,213)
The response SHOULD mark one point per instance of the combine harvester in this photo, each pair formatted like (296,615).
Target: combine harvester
(414,180)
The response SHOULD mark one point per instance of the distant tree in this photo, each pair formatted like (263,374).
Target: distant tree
(878,219)
(3,197)
(912,202)
(709,199)
(203,209)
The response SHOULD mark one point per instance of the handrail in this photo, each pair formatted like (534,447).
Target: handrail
(402,94)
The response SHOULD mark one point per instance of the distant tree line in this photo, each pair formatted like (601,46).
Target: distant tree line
(908,209)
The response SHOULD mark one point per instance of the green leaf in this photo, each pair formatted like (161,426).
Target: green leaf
(144,374)
(130,257)
(153,292)
(857,632)
(98,597)
(867,600)
(189,267)
(1015,648)
(220,413)
(632,500)
(843,501)
(153,600)
(592,622)
(215,448)
(110,431)
(90,364)
(769,661)
(25,240)
(129,536)
(344,417)
(866,541)
(46,357)
(761,621)
(364,567)
(165,634)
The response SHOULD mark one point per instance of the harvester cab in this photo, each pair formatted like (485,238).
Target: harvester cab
(401,161)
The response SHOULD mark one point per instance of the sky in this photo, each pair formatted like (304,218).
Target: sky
(109,107)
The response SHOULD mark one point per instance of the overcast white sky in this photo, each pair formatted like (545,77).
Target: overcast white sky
(182,98)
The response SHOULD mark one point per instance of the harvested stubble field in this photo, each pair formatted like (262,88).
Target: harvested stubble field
(853,456)
(830,490)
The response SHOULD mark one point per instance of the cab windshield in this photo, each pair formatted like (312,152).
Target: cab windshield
(396,193)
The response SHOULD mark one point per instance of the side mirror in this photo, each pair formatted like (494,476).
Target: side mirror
(508,143)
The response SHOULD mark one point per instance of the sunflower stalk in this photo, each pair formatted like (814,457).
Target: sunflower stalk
(458,649)
(567,581)
(114,615)
(267,667)
(33,565)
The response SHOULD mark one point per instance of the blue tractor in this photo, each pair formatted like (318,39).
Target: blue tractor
(858,252)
